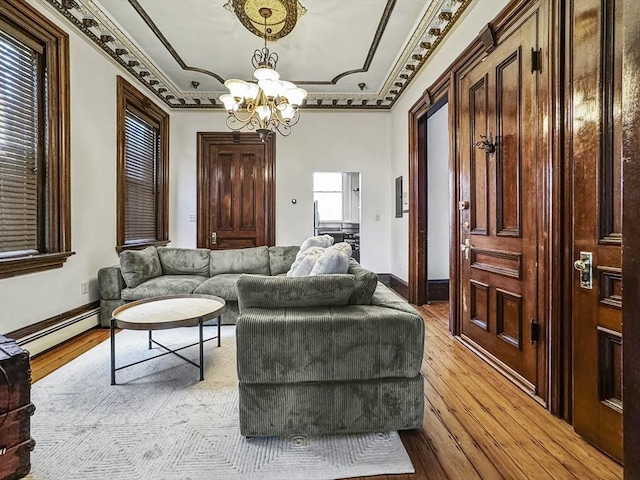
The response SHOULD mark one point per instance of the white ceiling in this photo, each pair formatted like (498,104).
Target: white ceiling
(183,41)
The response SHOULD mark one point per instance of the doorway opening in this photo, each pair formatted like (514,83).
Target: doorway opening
(336,207)
(437,208)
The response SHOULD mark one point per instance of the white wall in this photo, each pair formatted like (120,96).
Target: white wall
(373,143)
(477,15)
(438,194)
(320,142)
(28,299)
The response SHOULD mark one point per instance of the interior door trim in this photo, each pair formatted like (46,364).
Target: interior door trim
(235,138)
(631,238)
(555,392)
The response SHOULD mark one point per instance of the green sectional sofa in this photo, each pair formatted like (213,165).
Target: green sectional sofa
(154,272)
(338,353)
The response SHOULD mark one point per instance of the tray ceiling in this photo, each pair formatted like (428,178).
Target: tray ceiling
(183,51)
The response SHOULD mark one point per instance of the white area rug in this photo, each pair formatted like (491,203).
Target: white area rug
(160,422)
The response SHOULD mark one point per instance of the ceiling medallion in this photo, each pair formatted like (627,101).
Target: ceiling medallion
(284,16)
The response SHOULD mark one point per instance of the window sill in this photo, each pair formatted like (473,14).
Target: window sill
(141,245)
(12,267)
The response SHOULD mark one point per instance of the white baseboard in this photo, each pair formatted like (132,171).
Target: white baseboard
(57,334)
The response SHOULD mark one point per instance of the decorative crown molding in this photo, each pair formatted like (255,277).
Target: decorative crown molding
(95,24)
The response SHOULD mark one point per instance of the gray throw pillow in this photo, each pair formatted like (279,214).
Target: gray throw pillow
(138,266)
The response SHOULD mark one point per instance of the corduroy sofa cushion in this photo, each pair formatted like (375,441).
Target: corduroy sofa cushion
(273,292)
(138,266)
(184,261)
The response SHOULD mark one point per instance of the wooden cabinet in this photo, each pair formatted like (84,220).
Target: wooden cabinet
(16,409)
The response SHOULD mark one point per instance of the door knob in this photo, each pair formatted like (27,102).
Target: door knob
(584,266)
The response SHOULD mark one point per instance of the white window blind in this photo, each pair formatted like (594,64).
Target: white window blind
(21,146)
(142,148)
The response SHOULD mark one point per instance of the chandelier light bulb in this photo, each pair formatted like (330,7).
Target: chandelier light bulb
(228,100)
(252,91)
(288,113)
(271,88)
(237,88)
(265,73)
(264,112)
(296,95)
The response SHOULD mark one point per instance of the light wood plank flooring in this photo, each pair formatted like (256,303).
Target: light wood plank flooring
(476,423)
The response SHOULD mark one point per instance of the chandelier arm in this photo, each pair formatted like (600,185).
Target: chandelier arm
(283,129)
(234,123)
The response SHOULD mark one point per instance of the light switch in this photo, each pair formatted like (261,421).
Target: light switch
(192,218)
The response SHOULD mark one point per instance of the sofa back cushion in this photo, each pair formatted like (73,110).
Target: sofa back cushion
(281,259)
(184,261)
(244,260)
(366,282)
(282,292)
(138,266)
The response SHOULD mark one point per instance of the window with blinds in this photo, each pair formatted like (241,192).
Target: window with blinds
(143,170)
(142,151)
(35,194)
(22,132)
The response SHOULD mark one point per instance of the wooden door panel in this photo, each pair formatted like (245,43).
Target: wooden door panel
(235,191)
(479,182)
(508,156)
(222,191)
(595,158)
(499,100)
(509,317)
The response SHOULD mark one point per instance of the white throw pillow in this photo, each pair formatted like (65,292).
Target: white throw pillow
(305,261)
(344,247)
(323,241)
(335,259)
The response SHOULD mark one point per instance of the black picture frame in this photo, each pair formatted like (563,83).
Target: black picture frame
(398,197)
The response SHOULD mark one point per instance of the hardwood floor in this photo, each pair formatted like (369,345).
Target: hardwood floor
(477,425)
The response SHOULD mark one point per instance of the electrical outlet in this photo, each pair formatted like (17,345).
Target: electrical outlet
(84,288)
(377,217)
(192,218)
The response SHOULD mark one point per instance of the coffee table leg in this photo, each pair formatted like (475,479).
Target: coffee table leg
(219,322)
(113,352)
(149,339)
(201,349)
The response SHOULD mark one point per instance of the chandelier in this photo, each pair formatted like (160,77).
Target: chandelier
(269,105)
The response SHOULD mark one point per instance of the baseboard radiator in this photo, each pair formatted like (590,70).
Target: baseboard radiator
(43,336)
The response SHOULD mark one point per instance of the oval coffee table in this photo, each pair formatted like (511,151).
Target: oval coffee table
(161,313)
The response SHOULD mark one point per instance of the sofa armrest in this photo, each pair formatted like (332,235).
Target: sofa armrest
(110,282)
(383,296)
(277,292)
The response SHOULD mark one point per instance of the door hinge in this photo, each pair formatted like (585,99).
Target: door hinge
(535,331)
(536,60)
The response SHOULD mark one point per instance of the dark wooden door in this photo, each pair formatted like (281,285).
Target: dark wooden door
(235,191)
(596,162)
(501,204)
